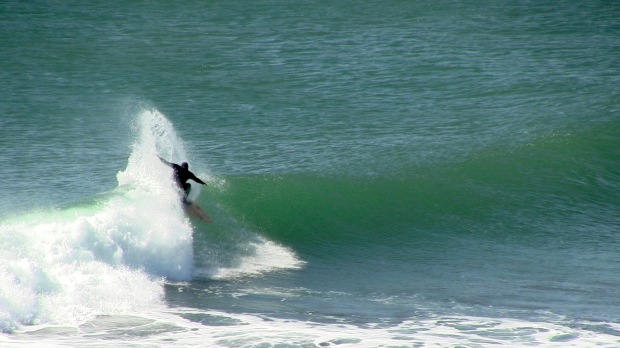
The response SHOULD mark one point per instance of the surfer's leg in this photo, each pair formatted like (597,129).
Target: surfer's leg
(186,188)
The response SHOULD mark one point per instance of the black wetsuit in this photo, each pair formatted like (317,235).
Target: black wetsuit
(181,175)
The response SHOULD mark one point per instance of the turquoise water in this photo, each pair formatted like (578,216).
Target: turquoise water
(402,174)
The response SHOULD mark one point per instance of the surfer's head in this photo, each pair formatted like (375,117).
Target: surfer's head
(184,165)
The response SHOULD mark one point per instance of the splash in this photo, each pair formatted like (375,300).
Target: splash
(113,256)
(159,235)
(107,257)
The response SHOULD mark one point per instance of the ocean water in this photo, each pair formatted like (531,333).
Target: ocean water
(380,174)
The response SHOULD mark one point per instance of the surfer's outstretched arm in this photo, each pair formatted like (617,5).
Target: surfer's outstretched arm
(196,179)
(165,162)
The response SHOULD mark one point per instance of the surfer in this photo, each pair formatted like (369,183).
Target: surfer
(181,175)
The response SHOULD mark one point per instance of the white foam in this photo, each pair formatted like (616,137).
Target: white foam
(265,256)
(69,266)
(186,327)
(220,329)
(67,271)
(231,250)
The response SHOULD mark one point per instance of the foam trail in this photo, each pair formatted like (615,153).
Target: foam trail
(233,251)
(71,265)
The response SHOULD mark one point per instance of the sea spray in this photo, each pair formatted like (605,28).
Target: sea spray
(230,250)
(112,255)
(66,271)
(165,244)
(107,257)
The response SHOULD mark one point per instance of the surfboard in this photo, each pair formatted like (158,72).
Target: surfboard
(192,209)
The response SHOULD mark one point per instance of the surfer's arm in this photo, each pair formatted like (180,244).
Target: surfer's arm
(196,179)
(165,162)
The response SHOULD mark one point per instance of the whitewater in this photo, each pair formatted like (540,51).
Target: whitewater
(114,254)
